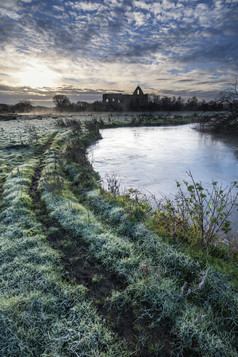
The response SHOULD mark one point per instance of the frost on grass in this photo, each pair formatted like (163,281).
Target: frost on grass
(163,288)
(154,271)
(199,332)
(40,314)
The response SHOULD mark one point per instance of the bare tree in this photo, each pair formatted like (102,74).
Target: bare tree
(62,102)
(23,106)
(224,122)
(229,96)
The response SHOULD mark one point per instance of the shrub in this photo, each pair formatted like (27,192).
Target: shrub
(92,127)
(198,214)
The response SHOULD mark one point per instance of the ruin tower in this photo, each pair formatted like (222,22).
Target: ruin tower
(138,91)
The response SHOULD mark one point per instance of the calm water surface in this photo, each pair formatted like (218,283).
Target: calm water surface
(151,159)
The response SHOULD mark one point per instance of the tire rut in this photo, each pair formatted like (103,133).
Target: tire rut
(34,193)
(79,266)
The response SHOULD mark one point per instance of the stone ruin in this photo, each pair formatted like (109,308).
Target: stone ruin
(127,101)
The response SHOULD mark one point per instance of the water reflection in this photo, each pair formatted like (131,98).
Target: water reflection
(153,158)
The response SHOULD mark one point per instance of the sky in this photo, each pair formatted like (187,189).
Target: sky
(86,48)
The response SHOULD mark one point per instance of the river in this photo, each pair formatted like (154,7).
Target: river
(151,159)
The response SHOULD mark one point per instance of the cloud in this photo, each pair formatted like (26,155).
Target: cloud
(6,28)
(87,6)
(190,93)
(222,55)
(9,4)
(59,8)
(115,44)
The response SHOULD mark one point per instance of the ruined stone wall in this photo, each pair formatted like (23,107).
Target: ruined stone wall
(112,98)
(127,101)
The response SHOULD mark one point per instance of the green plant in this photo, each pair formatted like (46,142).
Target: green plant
(74,124)
(53,182)
(199,215)
(76,152)
(113,184)
(136,205)
(92,127)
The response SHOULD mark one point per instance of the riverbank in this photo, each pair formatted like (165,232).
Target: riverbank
(223,124)
(84,276)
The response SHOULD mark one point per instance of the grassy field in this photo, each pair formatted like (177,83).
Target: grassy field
(80,276)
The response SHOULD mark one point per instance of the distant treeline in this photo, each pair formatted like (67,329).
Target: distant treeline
(23,106)
(179,104)
(155,103)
